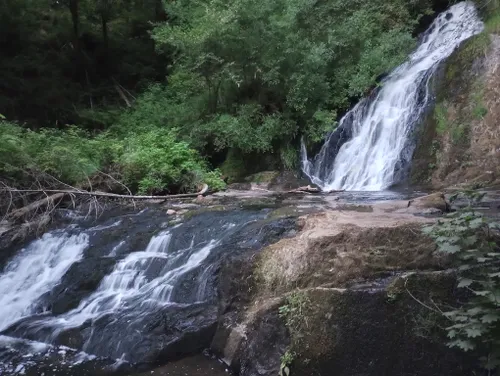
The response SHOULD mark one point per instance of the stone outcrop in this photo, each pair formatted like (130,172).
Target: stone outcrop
(459,142)
(348,295)
(434,203)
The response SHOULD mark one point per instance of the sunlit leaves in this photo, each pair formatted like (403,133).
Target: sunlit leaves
(299,62)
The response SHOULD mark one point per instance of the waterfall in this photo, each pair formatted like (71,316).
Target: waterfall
(378,129)
(166,280)
(140,284)
(36,270)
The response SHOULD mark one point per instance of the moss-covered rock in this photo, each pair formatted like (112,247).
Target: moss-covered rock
(370,331)
(348,294)
(459,142)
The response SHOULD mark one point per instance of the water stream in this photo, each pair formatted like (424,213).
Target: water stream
(136,289)
(373,147)
(133,289)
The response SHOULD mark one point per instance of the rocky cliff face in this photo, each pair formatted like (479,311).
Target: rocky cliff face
(459,143)
(348,295)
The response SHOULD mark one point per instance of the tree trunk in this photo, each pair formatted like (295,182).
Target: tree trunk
(47,201)
(75,17)
(202,192)
(160,14)
(104,24)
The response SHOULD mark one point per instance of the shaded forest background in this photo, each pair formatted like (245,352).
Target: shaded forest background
(165,96)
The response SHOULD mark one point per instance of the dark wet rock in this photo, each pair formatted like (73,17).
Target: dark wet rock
(240,186)
(379,331)
(271,180)
(372,329)
(196,365)
(433,201)
(160,336)
(288,180)
(266,343)
(80,280)
(21,357)
(154,338)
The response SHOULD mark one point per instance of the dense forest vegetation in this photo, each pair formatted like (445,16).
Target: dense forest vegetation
(163,96)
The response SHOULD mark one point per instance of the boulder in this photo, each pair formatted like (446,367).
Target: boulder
(434,201)
(369,329)
(348,295)
(80,281)
(378,329)
(161,335)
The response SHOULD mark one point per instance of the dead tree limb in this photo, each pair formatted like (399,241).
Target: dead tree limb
(122,95)
(47,201)
(202,192)
(306,190)
(119,88)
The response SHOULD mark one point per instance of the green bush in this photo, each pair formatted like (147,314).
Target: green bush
(155,160)
(473,241)
(69,155)
(150,161)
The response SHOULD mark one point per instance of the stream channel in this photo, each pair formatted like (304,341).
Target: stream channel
(135,291)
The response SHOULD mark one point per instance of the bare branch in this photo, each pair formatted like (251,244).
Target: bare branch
(109,195)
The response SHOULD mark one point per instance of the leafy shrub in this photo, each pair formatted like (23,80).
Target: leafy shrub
(150,161)
(214,180)
(68,155)
(473,240)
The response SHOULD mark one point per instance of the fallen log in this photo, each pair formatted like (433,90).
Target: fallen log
(306,189)
(47,201)
(75,192)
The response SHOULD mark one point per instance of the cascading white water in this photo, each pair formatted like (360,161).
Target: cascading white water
(36,270)
(139,285)
(134,285)
(381,127)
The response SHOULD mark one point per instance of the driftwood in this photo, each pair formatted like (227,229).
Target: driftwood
(308,190)
(47,201)
(203,191)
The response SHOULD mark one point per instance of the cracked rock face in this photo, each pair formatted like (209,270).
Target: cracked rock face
(360,276)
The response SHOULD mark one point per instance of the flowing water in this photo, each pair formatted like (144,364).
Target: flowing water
(372,147)
(35,270)
(131,290)
(135,289)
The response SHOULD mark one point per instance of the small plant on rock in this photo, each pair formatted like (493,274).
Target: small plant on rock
(286,361)
(293,313)
(293,310)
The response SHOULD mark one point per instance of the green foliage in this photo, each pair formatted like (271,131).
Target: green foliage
(286,361)
(150,162)
(230,90)
(293,312)
(67,155)
(155,160)
(479,109)
(472,240)
(441,117)
(459,133)
(492,16)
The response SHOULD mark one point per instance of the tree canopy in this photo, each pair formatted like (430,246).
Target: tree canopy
(160,94)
